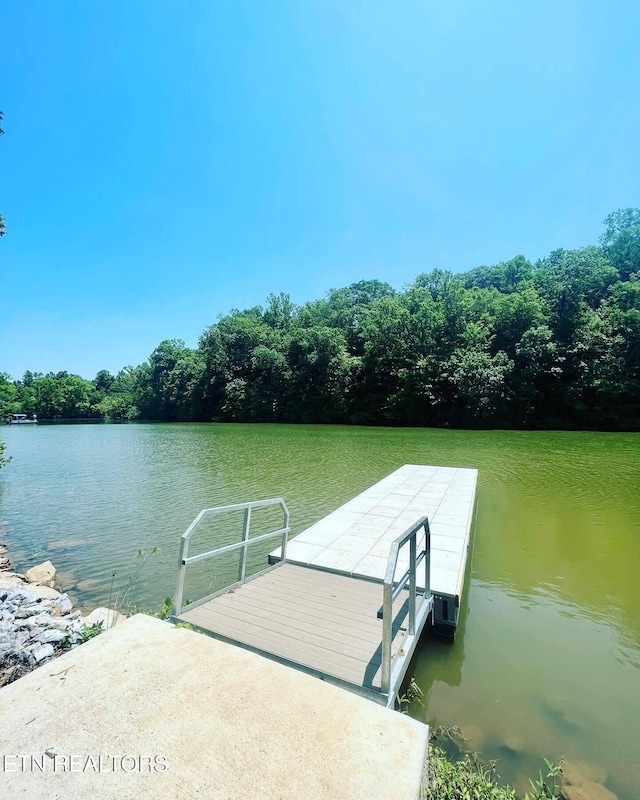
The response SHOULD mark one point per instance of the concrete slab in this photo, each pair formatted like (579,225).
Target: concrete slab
(148,710)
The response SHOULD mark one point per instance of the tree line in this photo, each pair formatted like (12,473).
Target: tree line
(555,343)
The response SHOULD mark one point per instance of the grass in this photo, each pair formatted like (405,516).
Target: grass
(469,778)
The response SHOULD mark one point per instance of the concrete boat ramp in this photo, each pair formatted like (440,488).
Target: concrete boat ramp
(153,712)
(243,714)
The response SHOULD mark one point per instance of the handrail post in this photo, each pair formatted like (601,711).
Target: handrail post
(391,592)
(285,534)
(387,629)
(412,584)
(184,549)
(427,560)
(245,538)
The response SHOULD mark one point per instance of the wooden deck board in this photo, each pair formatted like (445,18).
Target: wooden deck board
(299,617)
(322,621)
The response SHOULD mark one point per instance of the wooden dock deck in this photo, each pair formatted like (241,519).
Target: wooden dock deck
(347,600)
(324,622)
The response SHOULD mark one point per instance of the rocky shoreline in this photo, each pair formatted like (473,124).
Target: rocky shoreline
(38,622)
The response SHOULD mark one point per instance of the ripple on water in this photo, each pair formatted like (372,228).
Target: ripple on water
(553,600)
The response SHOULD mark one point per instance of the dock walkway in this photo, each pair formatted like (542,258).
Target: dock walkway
(348,598)
(355,538)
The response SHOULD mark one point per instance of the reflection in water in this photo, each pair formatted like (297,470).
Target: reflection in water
(540,678)
(547,657)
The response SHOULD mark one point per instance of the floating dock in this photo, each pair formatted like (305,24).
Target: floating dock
(347,599)
(355,539)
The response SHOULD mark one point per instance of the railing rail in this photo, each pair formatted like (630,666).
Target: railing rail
(241,545)
(418,609)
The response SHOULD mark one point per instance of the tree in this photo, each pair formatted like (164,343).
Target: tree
(3,459)
(536,376)
(621,241)
(555,344)
(319,365)
(8,395)
(7,407)
(481,384)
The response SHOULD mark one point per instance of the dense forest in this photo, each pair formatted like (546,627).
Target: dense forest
(554,343)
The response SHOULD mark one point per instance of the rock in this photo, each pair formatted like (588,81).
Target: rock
(64,605)
(58,623)
(50,635)
(6,644)
(21,638)
(589,790)
(107,616)
(514,743)
(27,611)
(66,544)
(42,652)
(65,580)
(90,585)
(22,596)
(43,574)
(576,773)
(11,580)
(44,592)
(39,621)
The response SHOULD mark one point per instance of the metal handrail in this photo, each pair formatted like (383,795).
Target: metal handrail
(390,593)
(242,545)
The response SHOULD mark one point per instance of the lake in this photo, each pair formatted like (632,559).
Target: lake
(547,656)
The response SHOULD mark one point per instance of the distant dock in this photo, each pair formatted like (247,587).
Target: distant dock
(347,599)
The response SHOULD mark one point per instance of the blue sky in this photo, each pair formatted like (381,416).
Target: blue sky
(165,161)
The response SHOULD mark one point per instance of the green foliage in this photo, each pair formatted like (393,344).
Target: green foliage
(468,778)
(546,786)
(3,459)
(86,632)
(550,344)
(413,694)
(165,609)
(89,631)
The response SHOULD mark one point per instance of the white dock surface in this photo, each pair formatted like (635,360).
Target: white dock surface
(355,538)
(147,710)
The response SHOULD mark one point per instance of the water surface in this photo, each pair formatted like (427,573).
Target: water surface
(547,657)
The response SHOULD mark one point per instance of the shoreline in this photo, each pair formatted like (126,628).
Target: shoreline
(38,622)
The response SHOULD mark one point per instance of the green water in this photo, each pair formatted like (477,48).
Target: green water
(547,657)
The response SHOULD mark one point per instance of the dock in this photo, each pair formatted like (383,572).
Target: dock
(348,598)
(355,538)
